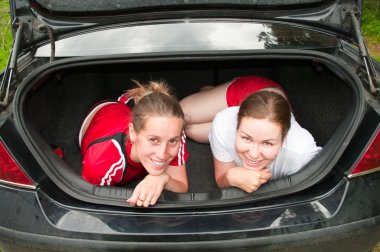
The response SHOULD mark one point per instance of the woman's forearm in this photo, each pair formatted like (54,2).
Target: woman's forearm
(226,179)
(176,185)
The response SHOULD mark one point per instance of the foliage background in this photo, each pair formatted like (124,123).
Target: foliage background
(370,28)
(5,33)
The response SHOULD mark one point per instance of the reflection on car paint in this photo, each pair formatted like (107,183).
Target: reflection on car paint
(119,222)
(187,36)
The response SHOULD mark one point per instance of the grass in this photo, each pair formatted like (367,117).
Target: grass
(376,249)
(371,27)
(5,33)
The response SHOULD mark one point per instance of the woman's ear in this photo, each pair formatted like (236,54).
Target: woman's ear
(132,132)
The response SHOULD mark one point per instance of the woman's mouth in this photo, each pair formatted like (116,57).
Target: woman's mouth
(252,163)
(158,163)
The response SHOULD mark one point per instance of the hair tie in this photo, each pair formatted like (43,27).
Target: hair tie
(148,93)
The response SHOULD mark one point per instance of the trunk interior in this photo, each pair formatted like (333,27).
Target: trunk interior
(56,104)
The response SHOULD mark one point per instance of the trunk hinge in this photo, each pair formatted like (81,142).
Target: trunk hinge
(11,66)
(44,28)
(34,29)
(374,81)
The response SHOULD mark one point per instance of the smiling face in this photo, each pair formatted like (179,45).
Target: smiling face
(258,142)
(157,143)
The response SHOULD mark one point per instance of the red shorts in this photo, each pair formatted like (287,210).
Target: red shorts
(242,87)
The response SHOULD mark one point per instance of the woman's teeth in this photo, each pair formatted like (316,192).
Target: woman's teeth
(157,163)
(252,162)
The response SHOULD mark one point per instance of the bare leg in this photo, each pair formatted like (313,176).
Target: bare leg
(200,109)
(199,132)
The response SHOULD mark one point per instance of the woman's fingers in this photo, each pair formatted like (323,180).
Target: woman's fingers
(256,178)
(264,176)
(147,191)
(154,199)
(135,197)
(142,197)
(149,199)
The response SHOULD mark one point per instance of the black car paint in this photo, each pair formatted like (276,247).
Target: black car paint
(154,230)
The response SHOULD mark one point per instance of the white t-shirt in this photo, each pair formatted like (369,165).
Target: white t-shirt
(298,148)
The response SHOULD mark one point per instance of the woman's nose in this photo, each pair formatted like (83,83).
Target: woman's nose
(162,151)
(254,151)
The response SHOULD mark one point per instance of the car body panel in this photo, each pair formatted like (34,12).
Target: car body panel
(249,227)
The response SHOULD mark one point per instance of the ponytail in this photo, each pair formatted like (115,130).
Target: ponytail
(141,90)
(153,99)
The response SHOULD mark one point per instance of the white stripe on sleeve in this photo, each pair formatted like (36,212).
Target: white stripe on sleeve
(120,164)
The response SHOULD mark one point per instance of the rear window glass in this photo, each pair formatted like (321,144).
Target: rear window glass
(188,37)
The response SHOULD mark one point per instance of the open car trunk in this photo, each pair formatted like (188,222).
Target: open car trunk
(324,95)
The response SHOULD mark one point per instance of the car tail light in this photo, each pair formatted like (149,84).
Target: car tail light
(370,161)
(10,171)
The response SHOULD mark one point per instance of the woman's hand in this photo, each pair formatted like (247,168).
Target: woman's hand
(228,174)
(148,190)
(248,180)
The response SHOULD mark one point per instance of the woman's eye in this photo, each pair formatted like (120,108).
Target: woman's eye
(154,140)
(173,141)
(266,144)
(246,139)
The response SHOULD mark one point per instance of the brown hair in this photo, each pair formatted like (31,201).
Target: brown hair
(267,104)
(153,99)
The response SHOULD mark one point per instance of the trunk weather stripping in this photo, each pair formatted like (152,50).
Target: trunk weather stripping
(374,81)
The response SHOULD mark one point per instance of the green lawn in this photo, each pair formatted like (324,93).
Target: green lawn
(371,27)
(5,33)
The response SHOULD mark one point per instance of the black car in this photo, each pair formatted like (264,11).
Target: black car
(68,55)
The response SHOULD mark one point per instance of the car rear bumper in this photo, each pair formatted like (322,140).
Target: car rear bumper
(343,237)
(350,221)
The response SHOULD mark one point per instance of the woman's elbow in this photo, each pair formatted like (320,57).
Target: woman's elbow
(184,188)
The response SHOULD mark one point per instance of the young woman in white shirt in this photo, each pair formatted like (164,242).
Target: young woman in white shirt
(252,133)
